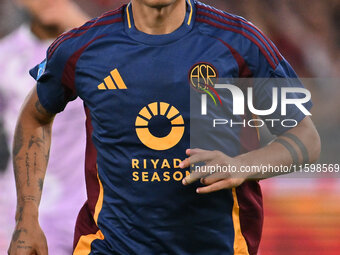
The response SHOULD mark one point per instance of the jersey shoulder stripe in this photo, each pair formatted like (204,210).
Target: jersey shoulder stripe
(110,14)
(225,21)
(68,77)
(241,22)
(106,19)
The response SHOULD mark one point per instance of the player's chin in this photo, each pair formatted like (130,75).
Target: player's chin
(158,3)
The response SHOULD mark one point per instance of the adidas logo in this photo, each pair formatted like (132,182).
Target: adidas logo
(113,81)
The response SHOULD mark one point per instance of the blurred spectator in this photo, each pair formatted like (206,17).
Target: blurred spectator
(308,35)
(64,191)
(10,17)
(97,7)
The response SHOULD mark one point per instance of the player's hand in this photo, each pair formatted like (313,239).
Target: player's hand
(28,237)
(214,181)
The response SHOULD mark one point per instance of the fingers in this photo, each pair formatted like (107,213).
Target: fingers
(206,177)
(210,179)
(220,185)
(210,174)
(196,156)
(194,176)
(195,151)
(224,184)
(28,239)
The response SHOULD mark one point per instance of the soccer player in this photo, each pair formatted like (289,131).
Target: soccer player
(131,69)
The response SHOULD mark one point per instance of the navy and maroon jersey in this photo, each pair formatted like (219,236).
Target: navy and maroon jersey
(136,94)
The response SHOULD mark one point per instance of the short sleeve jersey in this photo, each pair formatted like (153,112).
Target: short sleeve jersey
(136,94)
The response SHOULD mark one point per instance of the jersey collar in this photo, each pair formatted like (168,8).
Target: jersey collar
(137,35)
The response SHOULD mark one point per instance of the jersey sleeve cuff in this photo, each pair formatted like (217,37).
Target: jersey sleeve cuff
(45,102)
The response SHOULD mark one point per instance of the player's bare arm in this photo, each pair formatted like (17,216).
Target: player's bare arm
(30,156)
(300,145)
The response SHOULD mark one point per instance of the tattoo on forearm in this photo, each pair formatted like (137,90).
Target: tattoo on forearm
(21,245)
(299,143)
(17,170)
(20,213)
(39,107)
(29,198)
(24,247)
(47,156)
(35,140)
(35,163)
(27,169)
(17,233)
(291,150)
(18,140)
(41,184)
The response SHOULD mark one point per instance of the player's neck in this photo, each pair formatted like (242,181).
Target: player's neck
(44,32)
(161,20)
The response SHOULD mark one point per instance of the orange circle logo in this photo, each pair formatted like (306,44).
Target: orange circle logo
(166,112)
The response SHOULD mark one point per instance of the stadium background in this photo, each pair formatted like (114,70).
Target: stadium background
(302,216)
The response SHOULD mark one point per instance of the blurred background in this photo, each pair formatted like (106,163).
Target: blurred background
(302,216)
